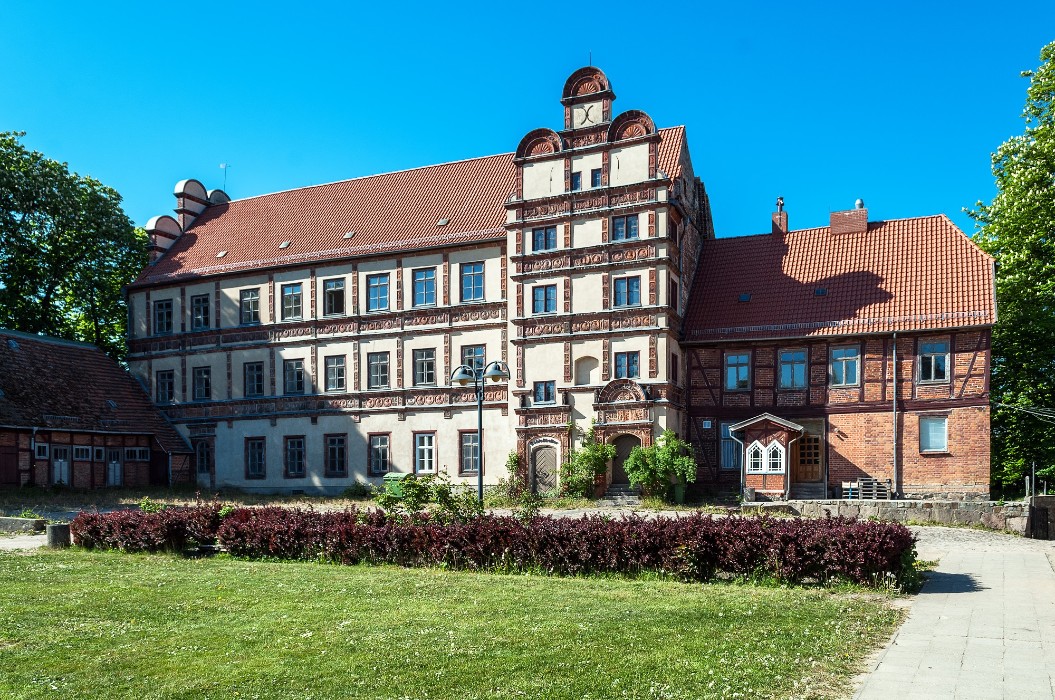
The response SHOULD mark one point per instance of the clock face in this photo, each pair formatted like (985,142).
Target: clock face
(588,114)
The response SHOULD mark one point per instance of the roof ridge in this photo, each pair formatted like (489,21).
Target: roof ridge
(49,339)
(811,229)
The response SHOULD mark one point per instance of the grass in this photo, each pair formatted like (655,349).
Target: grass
(102,624)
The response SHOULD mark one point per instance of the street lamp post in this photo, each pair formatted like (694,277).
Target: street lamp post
(464,375)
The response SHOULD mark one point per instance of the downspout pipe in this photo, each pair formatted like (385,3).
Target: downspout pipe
(743,467)
(893,404)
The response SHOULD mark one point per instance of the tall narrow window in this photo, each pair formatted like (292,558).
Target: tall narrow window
(255,462)
(934,362)
(470,454)
(933,434)
(163,317)
(293,374)
(336,455)
(249,305)
(775,458)
(626,365)
(424,452)
(377,292)
(844,366)
(543,238)
(576,182)
(292,298)
(425,287)
(732,452)
(203,456)
(335,373)
(737,372)
(595,177)
(473,281)
(295,457)
(377,370)
(253,375)
(755,459)
(333,297)
(673,369)
(165,386)
(792,369)
(672,296)
(199,312)
(544,299)
(425,367)
(624,228)
(627,291)
(378,458)
(473,356)
(202,383)
(545,392)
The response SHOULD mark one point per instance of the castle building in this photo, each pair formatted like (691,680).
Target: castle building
(305,340)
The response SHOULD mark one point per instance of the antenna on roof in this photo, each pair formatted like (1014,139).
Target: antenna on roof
(224,167)
(590,59)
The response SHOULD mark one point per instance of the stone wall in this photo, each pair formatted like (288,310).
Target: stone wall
(1012,517)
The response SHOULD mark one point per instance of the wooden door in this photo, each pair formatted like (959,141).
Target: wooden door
(8,466)
(60,465)
(809,465)
(623,445)
(544,469)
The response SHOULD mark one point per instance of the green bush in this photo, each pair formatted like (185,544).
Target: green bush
(359,491)
(584,465)
(669,461)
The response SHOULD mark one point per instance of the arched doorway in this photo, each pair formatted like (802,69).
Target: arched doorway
(623,445)
(543,476)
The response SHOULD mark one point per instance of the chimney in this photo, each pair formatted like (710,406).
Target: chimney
(852,221)
(780,218)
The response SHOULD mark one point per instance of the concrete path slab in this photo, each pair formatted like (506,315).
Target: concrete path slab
(11,543)
(982,627)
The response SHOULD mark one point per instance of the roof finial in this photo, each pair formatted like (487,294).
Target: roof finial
(780,204)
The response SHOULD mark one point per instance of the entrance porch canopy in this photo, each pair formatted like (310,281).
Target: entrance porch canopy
(765,462)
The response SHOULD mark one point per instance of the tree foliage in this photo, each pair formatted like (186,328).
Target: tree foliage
(66,250)
(1018,229)
(670,460)
(584,465)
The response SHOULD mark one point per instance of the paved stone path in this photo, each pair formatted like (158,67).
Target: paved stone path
(982,627)
(12,542)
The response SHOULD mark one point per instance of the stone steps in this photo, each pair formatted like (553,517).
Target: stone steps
(620,496)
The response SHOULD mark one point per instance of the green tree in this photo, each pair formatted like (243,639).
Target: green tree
(1018,229)
(584,465)
(670,460)
(66,250)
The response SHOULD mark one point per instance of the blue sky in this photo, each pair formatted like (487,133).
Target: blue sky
(898,103)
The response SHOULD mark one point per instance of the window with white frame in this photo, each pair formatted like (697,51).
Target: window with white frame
(425,367)
(424,453)
(470,454)
(293,376)
(40,451)
(792,369)
(377,292)
(333,297)
(378,458)
(82,454)
(377,370)
(425,287)
(162,317)
(137,454)
(934,362)
(335,373)
(933,434)
(202,383)
(253,378)
(199,312)
(473,356)
(249,306)
(472,281)
(845,364)
(292,302)
(756,458)
(295,457)
(775,458)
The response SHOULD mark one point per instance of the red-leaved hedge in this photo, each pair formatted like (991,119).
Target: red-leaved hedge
(694,547)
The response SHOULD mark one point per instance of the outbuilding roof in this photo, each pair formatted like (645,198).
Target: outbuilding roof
(901,275)
(64,385)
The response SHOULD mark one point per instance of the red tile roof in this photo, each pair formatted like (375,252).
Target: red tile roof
(900,275)
(388,212)
(60,384)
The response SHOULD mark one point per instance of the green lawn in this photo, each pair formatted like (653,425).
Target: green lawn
(79,624)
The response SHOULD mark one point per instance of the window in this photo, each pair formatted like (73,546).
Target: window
(755,461)
(672,295)
(844,366)
(249,303)
(775,458)
(424,452)
(737,372)
(253,376)
(595,177)
(424,367)
(41,450)
(293,373)
(165,386)
(626,365)
(473,356)
(545,392)
(792,369)
(83,454)
(99,454)
(425,287)
(544,299)
(674,369)
(934,362)
(255,464)
(576,182)
(377,292)
(732,453)
(469,462)
(137,454)
(336,455)
(199,312)
(163,317)
(933,434)
(295,457)
(624,228)
(544,238)
(335,373)
(333,297)
(203,457)
(202,383)
(473,282)
(378,458)
(292,297)
(377,370)
(627,291)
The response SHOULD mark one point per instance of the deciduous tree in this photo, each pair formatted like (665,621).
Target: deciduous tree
(1018,229)
(66,250)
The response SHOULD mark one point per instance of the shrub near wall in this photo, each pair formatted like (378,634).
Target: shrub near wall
(692,548)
